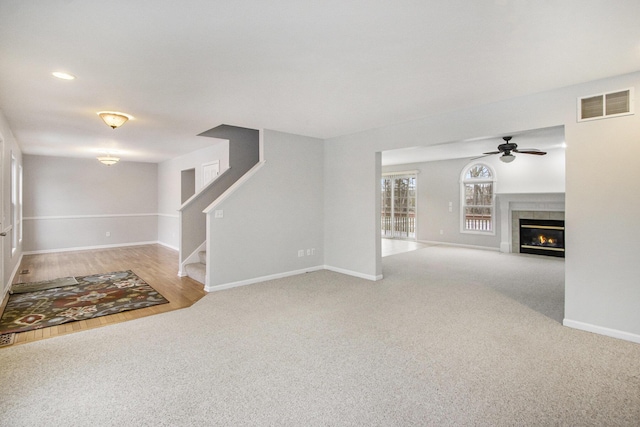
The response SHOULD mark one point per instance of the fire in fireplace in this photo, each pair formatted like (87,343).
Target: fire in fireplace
(542,237)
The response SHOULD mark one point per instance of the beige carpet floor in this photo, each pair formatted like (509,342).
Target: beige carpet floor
(450,337)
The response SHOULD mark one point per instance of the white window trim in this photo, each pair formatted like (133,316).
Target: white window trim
(16,219)
(462,182)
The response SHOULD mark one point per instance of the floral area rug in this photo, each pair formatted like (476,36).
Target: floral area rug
(93,296)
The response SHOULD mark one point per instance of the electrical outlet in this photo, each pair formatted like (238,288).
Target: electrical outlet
(300,253)
(441,232)
(218,213)
(108,234)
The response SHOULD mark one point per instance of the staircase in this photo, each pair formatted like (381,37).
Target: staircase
(244,157)
(198,270)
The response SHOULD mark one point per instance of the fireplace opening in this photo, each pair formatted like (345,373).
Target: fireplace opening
(542,237)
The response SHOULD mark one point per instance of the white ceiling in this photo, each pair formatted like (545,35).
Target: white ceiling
(317,68)
(542,139)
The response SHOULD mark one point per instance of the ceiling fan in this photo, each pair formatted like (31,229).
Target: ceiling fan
(511,147)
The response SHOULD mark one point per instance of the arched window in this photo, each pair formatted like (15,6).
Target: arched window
(478,199)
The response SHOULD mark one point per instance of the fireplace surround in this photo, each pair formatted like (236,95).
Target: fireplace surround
(516,206)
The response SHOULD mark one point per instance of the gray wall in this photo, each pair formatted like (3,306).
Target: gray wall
(72,203)
(244,154)
(439,184)
(169,186)
(602,287)
(273,215)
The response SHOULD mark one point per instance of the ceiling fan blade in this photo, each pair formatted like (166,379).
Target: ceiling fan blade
(531,151)
(485,155)
(492,152)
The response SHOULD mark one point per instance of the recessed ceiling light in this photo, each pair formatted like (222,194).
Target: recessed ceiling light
(64,76)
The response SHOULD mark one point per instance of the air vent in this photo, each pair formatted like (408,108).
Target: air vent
(612,104)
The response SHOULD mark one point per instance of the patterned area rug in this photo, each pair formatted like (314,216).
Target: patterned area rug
(93,296)
(20,288)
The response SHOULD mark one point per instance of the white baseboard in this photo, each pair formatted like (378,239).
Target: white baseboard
(354,273)
(458,245)
(261,279)
(85,248)
(291,273)
(601,330)
(168,246)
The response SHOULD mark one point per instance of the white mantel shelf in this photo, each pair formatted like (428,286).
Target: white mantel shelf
(509,202)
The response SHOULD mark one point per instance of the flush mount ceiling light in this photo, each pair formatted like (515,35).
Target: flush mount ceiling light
(507,158)
(64,76)
(114,119)
(108,160)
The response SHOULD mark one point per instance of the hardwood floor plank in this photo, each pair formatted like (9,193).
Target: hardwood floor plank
(155,264)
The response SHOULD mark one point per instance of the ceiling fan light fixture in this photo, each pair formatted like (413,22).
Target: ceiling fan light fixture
(114,119)
(63,76)
(108,160)
(507,158)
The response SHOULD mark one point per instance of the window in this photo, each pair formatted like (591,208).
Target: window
(478,201)
(16,205)
(20,204)
(398,216)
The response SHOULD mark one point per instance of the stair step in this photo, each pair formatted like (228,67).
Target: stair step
(197,271)
(202,255)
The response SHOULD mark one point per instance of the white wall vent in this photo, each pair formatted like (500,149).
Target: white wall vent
(605,105)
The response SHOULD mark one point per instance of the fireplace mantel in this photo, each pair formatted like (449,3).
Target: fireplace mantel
(534,202)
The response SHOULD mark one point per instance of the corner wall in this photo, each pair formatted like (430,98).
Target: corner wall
(272,216)
(602,286)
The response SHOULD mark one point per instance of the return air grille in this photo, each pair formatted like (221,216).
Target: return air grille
(612,104)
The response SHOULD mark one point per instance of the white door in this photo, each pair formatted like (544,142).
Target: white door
(210,171)
(6,234)
(398,216)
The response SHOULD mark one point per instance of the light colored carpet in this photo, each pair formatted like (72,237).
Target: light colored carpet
(450,337)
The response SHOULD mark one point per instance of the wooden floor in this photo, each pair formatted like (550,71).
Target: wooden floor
(155,264)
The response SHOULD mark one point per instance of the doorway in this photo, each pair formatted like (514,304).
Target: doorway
(398,206)
(187,184)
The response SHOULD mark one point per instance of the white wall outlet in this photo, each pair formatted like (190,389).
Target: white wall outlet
(441,232)
(300,253)
(108,234)
(218,213)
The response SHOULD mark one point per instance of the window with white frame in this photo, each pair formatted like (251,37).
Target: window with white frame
(399,205)
(478,202)
(16,223)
